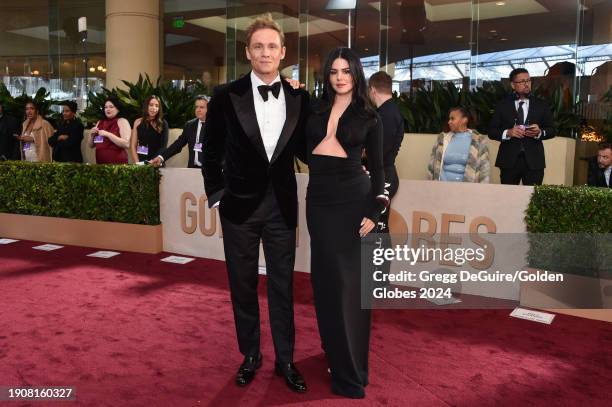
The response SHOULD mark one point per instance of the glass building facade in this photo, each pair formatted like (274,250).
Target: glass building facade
(415,41)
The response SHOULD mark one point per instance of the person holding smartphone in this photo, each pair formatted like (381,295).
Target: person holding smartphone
(520,123)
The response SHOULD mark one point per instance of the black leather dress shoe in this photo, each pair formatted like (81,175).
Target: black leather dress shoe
(293,378)
(247,370)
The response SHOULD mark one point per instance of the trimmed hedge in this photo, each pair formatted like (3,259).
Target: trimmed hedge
(570,230)
(112,193)
(562,209)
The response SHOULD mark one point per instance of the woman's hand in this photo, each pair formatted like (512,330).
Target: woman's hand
(366,226)
(94,131)
(295,84)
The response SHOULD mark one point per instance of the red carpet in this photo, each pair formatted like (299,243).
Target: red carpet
(132,331)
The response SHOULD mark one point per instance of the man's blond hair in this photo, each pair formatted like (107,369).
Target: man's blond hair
(262,22)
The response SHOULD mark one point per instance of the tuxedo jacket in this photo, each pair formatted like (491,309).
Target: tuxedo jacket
(505,117)
(187,138)
(596,176)
(236,168)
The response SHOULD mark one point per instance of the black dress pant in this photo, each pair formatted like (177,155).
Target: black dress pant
(521,173)
(241,245)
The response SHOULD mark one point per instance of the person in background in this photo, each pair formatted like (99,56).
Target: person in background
(462,154)
(111,135)
(66,141)
(191,136)
(520,123)
(35,135)
(150,132)
(600,171)
(381,94)
(9,133)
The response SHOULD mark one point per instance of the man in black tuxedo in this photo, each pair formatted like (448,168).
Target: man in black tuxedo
(520,123)
(9,128)
(254,128)
(600,171)
(191,136)
(381,94)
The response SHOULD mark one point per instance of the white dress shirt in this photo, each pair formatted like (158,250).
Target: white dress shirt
(271,115)
(196,155)
(607,172)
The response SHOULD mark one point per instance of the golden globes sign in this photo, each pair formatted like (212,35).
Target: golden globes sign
(422,211)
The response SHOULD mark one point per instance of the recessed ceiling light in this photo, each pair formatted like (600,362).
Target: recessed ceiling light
(366,49)
(500,3)
(493,31)
(92,69)
(458,36)
(362,36)
(503,39)
(35,72)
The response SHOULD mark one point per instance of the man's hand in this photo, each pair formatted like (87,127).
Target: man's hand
(532,131)
(156,162)
(62,137)
(516,132)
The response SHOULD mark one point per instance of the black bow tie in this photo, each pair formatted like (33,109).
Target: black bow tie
(264,89)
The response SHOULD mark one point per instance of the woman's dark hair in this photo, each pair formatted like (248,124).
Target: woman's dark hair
(158,120)
(33,103)
(115,103)
(360,87)
(465,113)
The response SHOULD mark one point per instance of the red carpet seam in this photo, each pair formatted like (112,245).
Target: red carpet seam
(388,363)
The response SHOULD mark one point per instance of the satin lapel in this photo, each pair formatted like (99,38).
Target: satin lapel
(244,106)
(293,107)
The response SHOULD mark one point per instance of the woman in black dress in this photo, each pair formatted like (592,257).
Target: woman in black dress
(343,204)
(150,133)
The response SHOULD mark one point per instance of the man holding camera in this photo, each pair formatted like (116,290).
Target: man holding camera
(520,123)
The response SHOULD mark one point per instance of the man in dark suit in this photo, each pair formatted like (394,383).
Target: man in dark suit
(192,136)
(254,128)
(520,123)
(600,171)
(9,129)
(380,91)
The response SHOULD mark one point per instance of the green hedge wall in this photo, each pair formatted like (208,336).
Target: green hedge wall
(563,209)
(570,230)
(112,193)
